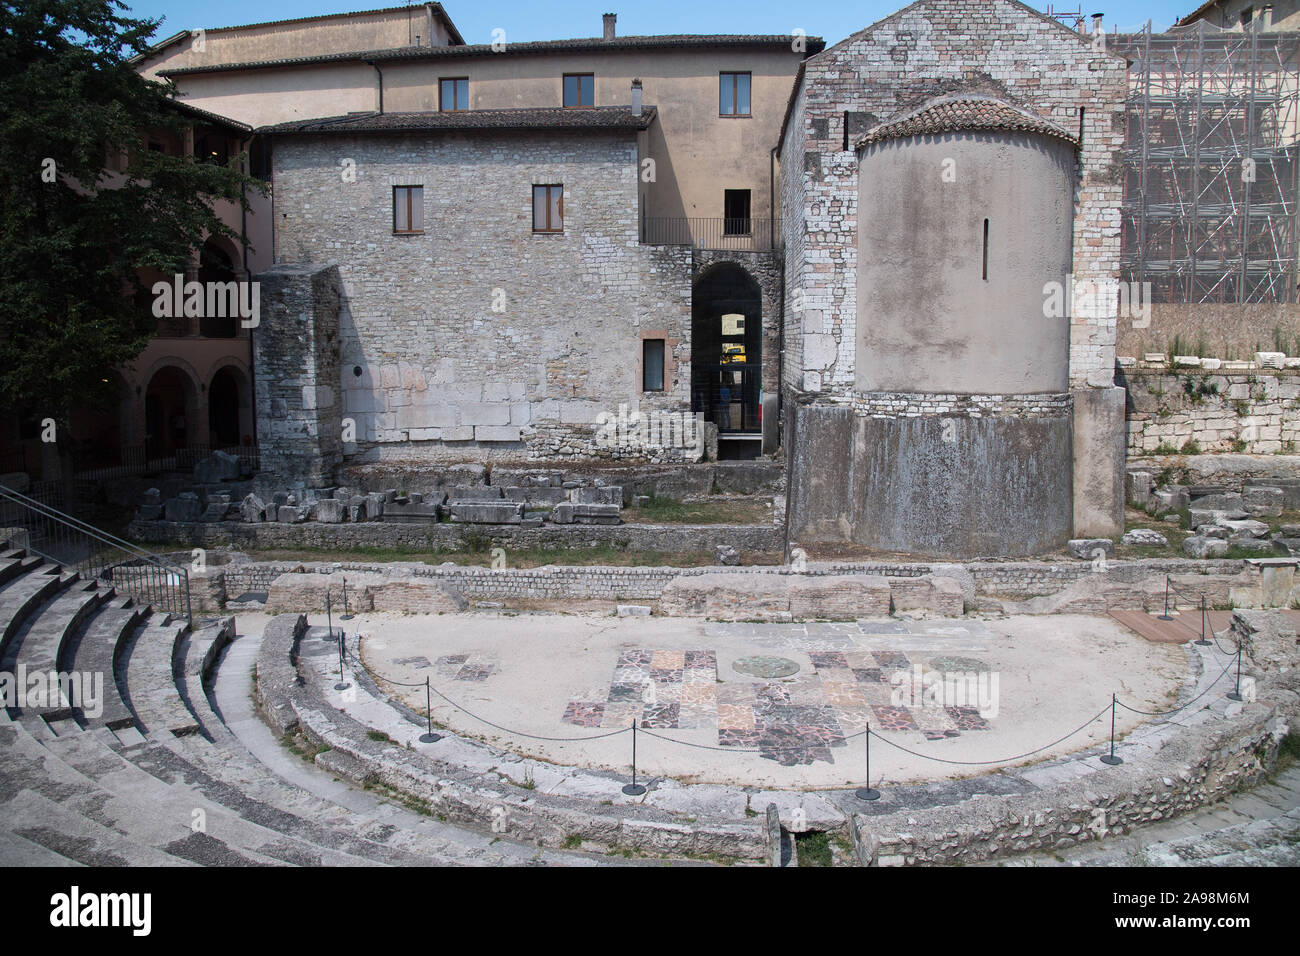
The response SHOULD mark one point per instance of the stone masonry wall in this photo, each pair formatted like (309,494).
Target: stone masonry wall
(1225,409)
(927,49)
(478,337)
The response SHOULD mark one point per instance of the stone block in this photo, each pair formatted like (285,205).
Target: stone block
(1086,548)
(474,493)
(1256,545)
(633,610)
(217,467)
(184,507)
(841,597)
(725,554)
(1247,528)
(292,514)
(252,509)
(1202,547)
(374,506)
(358,508)
(1144,538)
(1228,501)
(569,513)
(1169,498)
(1264,501)
(608,495)
(510,433)
(1138,487)
(485,512)
(331,511)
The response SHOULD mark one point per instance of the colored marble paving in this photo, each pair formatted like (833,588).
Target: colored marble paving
(793,721)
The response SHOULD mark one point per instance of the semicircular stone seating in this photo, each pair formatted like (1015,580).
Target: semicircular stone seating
(143,769)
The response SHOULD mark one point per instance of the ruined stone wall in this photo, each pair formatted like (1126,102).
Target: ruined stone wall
(1224,409)
(479,338)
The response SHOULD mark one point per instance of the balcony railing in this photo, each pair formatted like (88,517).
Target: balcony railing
(738,235)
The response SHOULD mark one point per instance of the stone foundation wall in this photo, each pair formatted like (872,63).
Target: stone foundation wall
(1248,410)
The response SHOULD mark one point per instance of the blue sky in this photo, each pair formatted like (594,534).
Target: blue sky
(562,19)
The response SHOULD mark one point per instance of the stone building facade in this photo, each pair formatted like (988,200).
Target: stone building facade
(478,336)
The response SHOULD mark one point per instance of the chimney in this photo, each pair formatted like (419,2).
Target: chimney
(1096,23)
(610,19)
(636,97)
(1265,17)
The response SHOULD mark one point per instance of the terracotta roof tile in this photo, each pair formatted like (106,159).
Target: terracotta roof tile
(962,113)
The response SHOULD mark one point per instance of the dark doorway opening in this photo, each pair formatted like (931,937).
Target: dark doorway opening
(223,409)
(726,351)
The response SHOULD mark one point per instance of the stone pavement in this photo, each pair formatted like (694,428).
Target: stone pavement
(768,704)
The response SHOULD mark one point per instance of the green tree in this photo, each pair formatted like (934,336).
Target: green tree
(71,306)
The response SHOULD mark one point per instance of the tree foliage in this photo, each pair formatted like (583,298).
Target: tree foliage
(71,306)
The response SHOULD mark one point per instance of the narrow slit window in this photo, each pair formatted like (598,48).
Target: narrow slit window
(408,210)
(986,250)
(652,365)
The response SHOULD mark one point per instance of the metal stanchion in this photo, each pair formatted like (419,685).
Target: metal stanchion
(345,600)
(1236,691)
(1110,759)
(867,793)
(633,789)
(329,620)
(429,737)
(1204,617)
(1166,616)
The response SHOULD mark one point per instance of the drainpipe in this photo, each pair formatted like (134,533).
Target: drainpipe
(380,73)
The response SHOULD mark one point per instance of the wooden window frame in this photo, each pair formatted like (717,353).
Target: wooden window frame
(456,108)
(735,97)
(579,105)
(409,207)
(548,231)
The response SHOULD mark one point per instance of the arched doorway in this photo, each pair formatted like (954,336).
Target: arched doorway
(726,350)
(228,409)
(169,410)
(217,265)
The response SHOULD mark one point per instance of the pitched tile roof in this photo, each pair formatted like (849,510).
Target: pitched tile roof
(550,118)
(591,45)
(960,113)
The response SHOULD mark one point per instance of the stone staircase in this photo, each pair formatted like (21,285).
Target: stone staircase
(145,771)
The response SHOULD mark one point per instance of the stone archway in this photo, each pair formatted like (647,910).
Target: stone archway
(230,408)
(171,409)
(726,349)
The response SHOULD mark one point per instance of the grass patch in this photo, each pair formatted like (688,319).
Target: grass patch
(1288,752)
(814,848)
(380,736)
(572,841)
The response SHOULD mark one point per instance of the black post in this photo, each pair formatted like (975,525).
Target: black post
(1204,617)
(345,597)
(1111,759)
(429,737)
(867,793)
(1236,692)
(342,684)
(1166,616)
(633,789)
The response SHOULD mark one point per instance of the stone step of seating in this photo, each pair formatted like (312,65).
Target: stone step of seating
(94,650)
(41,646)
(49,803)
(19,851)
(12,565)
(220,776)
(150,682)
(23,595)
(173,798)
(195,653)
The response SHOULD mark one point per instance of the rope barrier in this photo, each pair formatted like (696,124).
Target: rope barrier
(989,763)
(1165,713)
(1209,624)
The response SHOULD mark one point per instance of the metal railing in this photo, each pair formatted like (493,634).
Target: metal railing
(738,235)
(147,578)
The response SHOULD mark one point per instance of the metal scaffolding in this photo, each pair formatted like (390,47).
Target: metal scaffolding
(1210,164)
